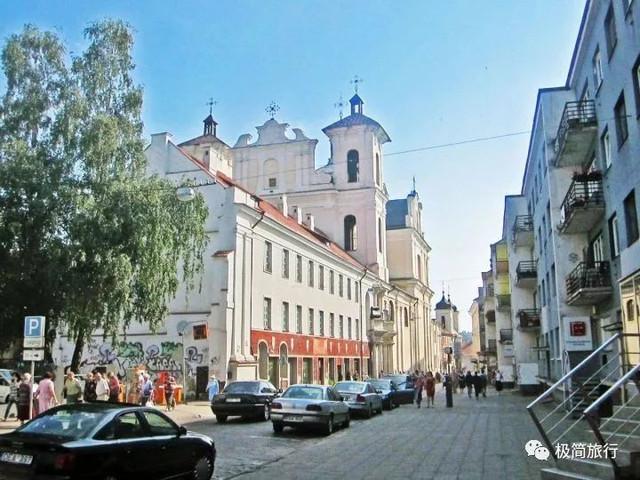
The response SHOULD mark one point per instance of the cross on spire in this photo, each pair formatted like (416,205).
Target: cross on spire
(272,109)
(414,183)
(339,105)
(355,82)
(211,103)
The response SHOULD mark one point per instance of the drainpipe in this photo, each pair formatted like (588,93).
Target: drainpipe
(251,281)
(364,274)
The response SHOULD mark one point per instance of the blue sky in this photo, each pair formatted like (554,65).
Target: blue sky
(434,72)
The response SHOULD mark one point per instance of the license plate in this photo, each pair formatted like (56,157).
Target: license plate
(16,458)
(233,400)
(292,418)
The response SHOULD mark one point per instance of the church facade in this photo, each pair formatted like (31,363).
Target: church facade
(310,274)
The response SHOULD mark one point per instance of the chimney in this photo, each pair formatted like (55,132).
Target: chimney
(298,214)
(285,206)
(161,139)
(311,222)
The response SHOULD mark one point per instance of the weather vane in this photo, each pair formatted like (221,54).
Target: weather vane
(272,109)
(211,103)
(339,105)
(355,82)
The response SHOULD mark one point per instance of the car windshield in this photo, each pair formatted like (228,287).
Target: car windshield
(311,393)
(381,384)
(400,380)
(350,387)
(242,387)
(68,423)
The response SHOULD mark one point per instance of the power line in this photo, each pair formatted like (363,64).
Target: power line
(461,142)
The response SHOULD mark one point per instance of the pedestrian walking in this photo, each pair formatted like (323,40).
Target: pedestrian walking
(477,384)
(499,379)
(46,394)
(147,390)
(72,390)
(102,388)
(430,387)
(169,385)
(418,386)
(24,398)
(461,382)
(213,387)
(13,394)
(484,381)
(114,387)
(89,393)
(468,381)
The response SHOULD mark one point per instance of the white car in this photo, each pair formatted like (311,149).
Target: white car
(4,390)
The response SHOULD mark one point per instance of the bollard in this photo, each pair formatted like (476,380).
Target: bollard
(448,390)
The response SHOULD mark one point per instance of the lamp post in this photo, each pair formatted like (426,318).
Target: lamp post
(184,368)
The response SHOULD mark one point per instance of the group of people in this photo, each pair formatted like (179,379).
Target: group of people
(427,383)
(478,381)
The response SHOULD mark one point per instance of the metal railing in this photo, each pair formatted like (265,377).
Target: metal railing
(527,269)
(529,318)
(581,194)
(506,335)
(491,346)
(523,223)
(560,412)
(611,430)
(588,275)
(575,115)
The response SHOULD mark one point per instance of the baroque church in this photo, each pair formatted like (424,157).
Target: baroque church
(310,274)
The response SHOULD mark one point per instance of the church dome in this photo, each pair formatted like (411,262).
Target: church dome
(443,304)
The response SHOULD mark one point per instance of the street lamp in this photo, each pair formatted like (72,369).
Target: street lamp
(184,368)
(187,193)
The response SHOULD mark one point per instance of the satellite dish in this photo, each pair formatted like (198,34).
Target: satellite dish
(182,326)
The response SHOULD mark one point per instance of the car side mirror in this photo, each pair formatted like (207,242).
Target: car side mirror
(378,391)
(182,431)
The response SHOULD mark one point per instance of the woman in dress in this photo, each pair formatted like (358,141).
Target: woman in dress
(430,387)
(499,379)
(46,394)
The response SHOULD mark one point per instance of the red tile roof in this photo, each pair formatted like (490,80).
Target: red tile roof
(275,214)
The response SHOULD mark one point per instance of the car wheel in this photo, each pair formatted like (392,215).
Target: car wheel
(278,427)
(328,429)
(202,469)
(347,421)
(221,418)
(266,413)
(369,412)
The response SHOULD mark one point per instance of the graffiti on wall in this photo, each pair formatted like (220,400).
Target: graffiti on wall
(163,357)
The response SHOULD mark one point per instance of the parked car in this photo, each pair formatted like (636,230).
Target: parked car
(311,406)
(5,390)
(361,397)
(387,390)
(104,440)
(405,391)
(244,399)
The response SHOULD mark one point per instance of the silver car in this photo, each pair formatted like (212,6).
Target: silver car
(361,397)
(304,405)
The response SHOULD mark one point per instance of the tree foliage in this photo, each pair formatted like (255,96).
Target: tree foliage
(87,237)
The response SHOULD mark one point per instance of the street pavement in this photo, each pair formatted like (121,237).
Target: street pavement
(476,439)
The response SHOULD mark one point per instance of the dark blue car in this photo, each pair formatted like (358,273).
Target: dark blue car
(388,390)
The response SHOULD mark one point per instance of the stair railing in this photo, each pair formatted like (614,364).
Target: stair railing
(568,409)
(599,428)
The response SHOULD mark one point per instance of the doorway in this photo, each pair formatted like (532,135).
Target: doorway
(202,379)
(293,371)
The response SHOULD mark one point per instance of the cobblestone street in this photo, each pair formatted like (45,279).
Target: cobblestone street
(475,440)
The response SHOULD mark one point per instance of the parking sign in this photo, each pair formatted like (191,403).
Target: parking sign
(34,332)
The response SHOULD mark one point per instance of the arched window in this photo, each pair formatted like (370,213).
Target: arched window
(406,317)
(377,169)
(353,166)
(392,312)
(443,321)
(284,361)
(350,233)
(631,311)
(263,361)
(419,262)
(380,235)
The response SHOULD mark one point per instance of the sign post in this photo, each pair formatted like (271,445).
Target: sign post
(33,338)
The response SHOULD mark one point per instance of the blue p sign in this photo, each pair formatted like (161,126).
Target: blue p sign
(33,327)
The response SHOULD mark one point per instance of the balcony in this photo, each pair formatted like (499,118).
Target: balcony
(506,335)
(491,316)
(503,302)
(523,231)
(529,319)
(583,206)
(577,131)
(526,274)
(589,283)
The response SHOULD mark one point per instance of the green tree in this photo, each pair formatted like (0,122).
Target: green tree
(112,238)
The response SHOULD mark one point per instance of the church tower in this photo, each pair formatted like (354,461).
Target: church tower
(356,165)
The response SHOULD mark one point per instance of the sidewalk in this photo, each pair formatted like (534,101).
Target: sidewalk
(183,414)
